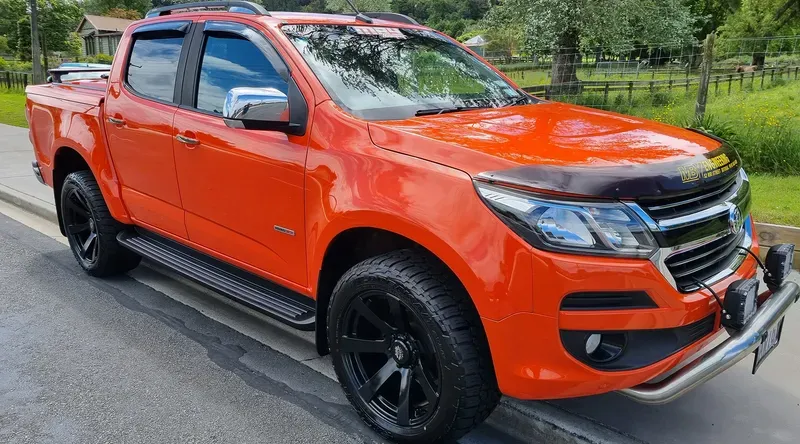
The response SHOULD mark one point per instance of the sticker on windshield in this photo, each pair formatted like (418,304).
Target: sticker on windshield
(389,33)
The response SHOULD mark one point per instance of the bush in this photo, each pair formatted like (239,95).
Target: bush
(661,98)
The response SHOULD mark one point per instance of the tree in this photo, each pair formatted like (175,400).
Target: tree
(759,18)
(564,27)
(362,5)
(127,14)
(57,20)
(74,44)
(102,7)
(13,11)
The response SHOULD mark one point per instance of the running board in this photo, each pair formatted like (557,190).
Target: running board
(258,293)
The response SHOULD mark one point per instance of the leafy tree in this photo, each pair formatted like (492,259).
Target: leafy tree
(74,44)
(128,14)
(759,18)
(102,7)
(362,5)
(57,20)
(13,11)
(563,27)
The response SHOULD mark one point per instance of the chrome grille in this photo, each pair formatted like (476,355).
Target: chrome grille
(693,231)
(687,204)
(701,263)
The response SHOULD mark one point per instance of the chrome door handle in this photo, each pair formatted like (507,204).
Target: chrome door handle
(115,121)
(186,140)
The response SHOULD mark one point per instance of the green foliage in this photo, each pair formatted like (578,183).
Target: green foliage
(74,44)
(102,7)
(57,20)
(127,14)
(616,24)
(763,18)
(4,49)
(102,58)
(362,5)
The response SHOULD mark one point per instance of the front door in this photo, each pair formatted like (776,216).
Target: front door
(139,111)
(242,189)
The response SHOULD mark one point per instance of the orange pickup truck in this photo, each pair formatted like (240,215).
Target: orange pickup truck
(449,237)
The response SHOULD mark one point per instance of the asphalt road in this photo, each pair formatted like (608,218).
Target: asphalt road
(87,360)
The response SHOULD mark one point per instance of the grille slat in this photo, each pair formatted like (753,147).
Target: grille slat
(664,208)
(701,262)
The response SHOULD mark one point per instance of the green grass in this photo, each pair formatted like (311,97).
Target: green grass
(776,199)
(12,108)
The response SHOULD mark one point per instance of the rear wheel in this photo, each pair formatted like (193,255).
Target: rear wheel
(90,228)
(409,350)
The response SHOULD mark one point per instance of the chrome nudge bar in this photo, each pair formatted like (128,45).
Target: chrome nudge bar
(737,347)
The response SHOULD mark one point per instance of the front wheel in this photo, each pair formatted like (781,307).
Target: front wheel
(90,228)
(409,349)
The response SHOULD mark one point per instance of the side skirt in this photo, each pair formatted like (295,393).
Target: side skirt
(246,288)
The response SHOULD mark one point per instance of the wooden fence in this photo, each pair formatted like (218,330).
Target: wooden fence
(15,80)
(717,81)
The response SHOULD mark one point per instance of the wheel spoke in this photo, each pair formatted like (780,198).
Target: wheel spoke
(77,228)
(76,207)
(355,345)
(88,243)
(398,316)
(427,388)
(95,247)
(403,403)
(371,317)
(371,387)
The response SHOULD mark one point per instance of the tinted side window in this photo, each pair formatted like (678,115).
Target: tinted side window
(153,66)
(231,62)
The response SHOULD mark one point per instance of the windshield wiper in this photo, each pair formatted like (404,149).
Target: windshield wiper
(434,111)
(521,100)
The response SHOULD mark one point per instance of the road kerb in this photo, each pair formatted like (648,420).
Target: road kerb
(28,203)
(542,422)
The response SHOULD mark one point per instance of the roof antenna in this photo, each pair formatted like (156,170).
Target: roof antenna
(359,15)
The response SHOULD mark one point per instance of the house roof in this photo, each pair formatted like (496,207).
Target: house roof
(107,24)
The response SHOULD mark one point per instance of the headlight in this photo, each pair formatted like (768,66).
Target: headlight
(601,228)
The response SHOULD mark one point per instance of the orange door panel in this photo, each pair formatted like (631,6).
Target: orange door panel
(242,191)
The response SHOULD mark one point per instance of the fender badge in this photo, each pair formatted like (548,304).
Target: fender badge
(283,230)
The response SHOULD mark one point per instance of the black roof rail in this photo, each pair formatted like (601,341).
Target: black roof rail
(230,6)
(391,17)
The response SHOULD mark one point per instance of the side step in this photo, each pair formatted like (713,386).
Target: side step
(258,293)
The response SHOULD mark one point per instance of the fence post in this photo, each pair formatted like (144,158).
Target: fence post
(741,81)
(605,94)
(763,73)
(8,80)
(716,85)
(25,81)
(705,77)
(630,93)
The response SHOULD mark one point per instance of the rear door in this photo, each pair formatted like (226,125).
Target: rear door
(242,189)
(139,111)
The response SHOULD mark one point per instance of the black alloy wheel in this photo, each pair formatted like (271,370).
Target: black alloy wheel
(409,348)
(389,355)
(81,227)
(90,228)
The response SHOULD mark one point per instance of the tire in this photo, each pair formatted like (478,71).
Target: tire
(90,229)
(401,327)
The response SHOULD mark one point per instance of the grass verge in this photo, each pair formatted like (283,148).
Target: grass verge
(12,108)
(776,199)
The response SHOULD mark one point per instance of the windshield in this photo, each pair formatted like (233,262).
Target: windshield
(380,73)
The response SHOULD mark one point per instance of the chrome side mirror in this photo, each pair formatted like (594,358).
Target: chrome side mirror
(266,105)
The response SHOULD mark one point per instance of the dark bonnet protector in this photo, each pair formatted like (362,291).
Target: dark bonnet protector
(625,181)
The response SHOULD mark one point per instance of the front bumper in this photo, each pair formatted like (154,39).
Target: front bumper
(737,347)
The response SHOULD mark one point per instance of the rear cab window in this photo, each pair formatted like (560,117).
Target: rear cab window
(153,65)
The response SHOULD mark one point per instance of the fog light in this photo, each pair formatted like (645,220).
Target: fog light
(741,303)
(605,347)
(778,264)
(592,342)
